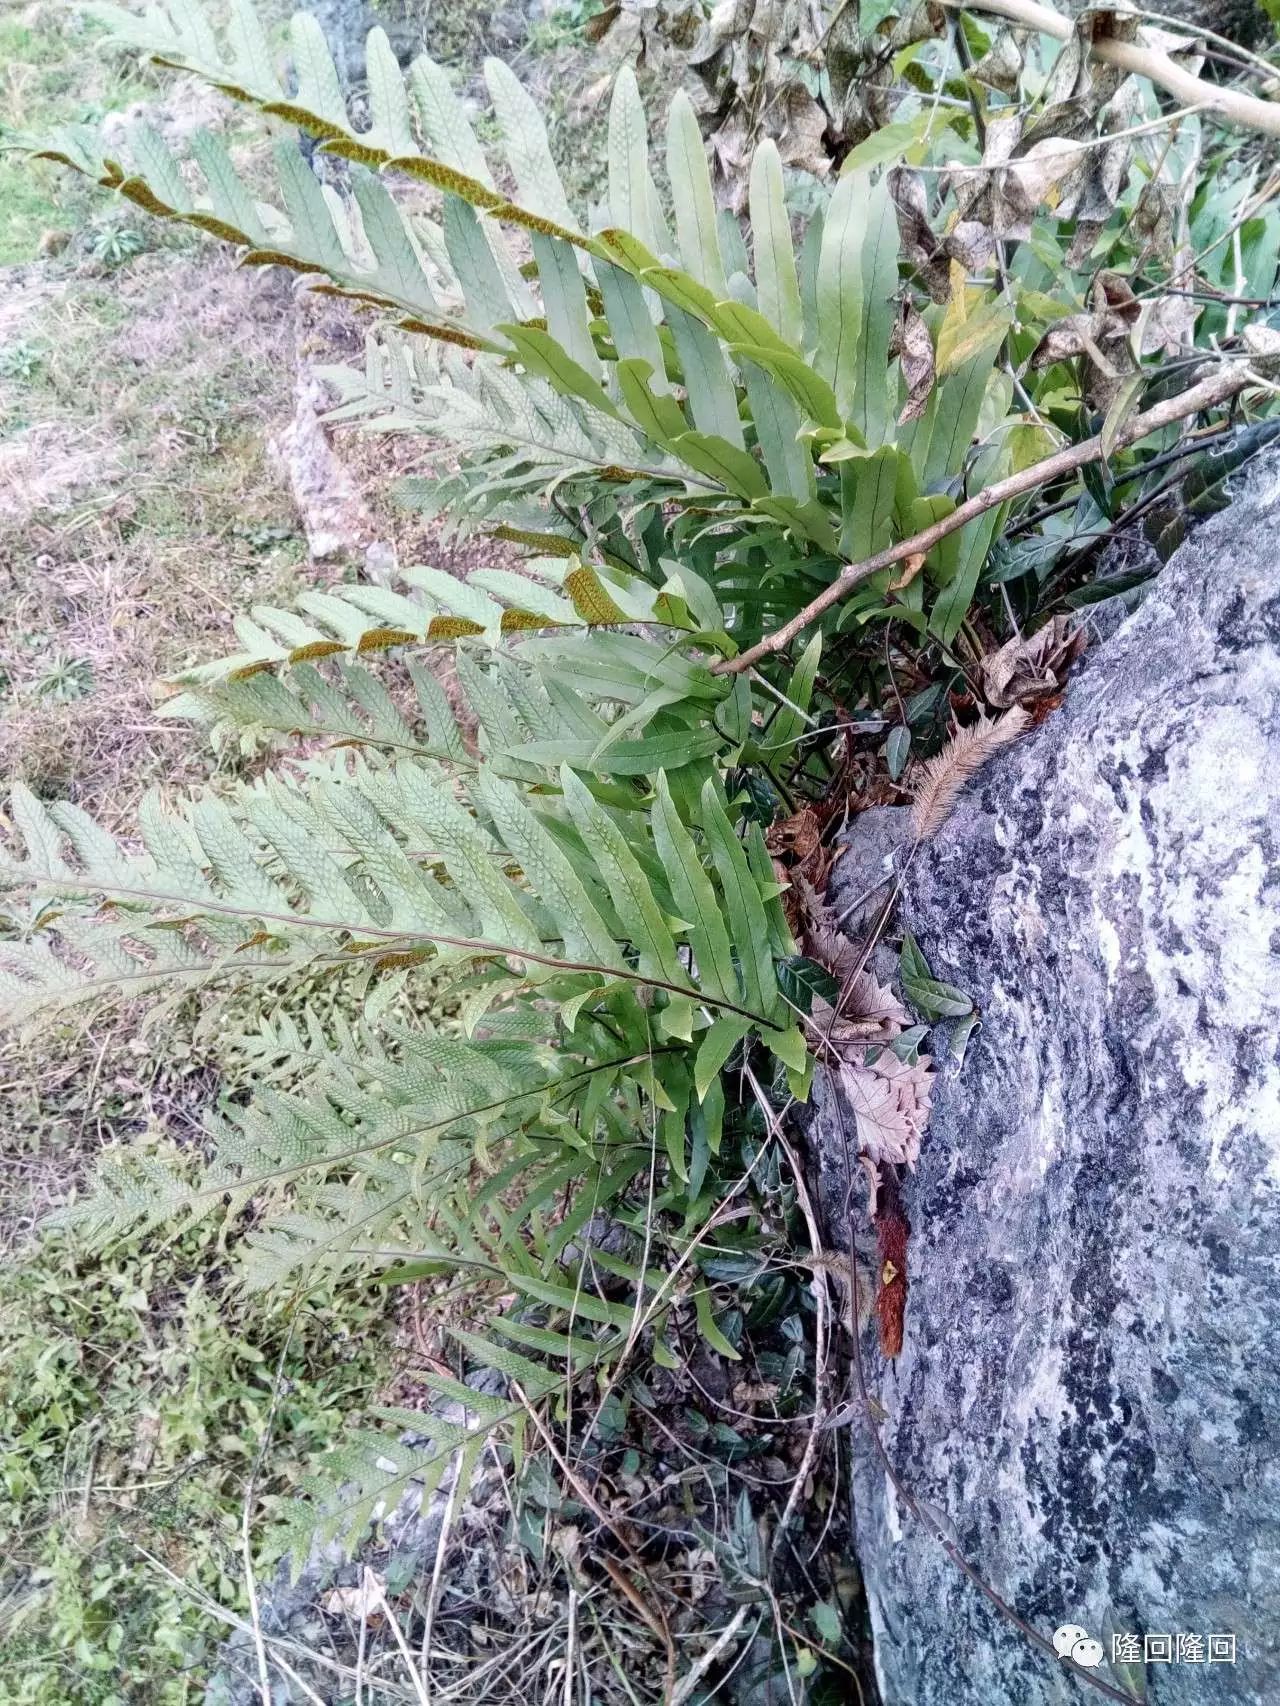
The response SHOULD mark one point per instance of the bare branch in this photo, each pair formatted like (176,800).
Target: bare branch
(1227,382)
(1133,57)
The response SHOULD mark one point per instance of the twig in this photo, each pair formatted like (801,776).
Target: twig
(1187,446)
(822,1308)
(277,1643)
(1215,297)
(571,1646)
(685,1687)
(1199,31)
(371,1584)
(437,1573)
(1103,141)
(1218,388)
(1132,57)
(360,1650)
(246,1541)
(654,1616)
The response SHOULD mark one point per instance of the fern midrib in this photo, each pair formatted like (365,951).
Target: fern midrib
(210,904)
(281,1174)
(231,963)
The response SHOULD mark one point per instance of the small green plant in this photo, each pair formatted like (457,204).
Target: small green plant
(562,25)
(66,679)
(22,361)
(116,244)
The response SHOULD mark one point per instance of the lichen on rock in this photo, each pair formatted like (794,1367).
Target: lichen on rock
(1089,1391)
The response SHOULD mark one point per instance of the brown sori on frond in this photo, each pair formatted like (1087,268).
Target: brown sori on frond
(942,778)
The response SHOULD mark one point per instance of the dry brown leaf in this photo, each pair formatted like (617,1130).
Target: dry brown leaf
(817,929)
(974,186)
(1029,180)
(363,1601)
(801,863)
(888,1098)
(889,1101)
(913,345)
(755,1392)
(868,1009)
(1002,65)
(970,243)
(798,836)
(1031,666)
(1170,322)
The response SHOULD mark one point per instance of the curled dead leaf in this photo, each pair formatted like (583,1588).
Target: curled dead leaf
(755,1392)
(1028,667)
(912,344)
(910,569)
(921,246)
(1002,65)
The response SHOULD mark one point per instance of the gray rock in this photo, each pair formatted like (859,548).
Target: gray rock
(863,876)
(346,24)
(338,523)
(1089,1393)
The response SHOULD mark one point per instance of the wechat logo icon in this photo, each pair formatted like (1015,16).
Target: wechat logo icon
(1072,1642)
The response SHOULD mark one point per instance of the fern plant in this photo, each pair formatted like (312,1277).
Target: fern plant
(688,430)
(671,387)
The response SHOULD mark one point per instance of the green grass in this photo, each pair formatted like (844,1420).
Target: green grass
(26,210)
(58,73)
(140,1394)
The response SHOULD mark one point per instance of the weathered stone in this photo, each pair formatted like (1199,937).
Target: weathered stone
(337,521)
(346,24)
(1090,1387)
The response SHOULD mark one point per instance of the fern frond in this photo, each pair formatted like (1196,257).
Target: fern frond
(527,710)
(363,1475)
(582,379)
(366,621)
(351,867)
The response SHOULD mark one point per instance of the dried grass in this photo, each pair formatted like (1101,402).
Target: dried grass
(124,496)
(942,778)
